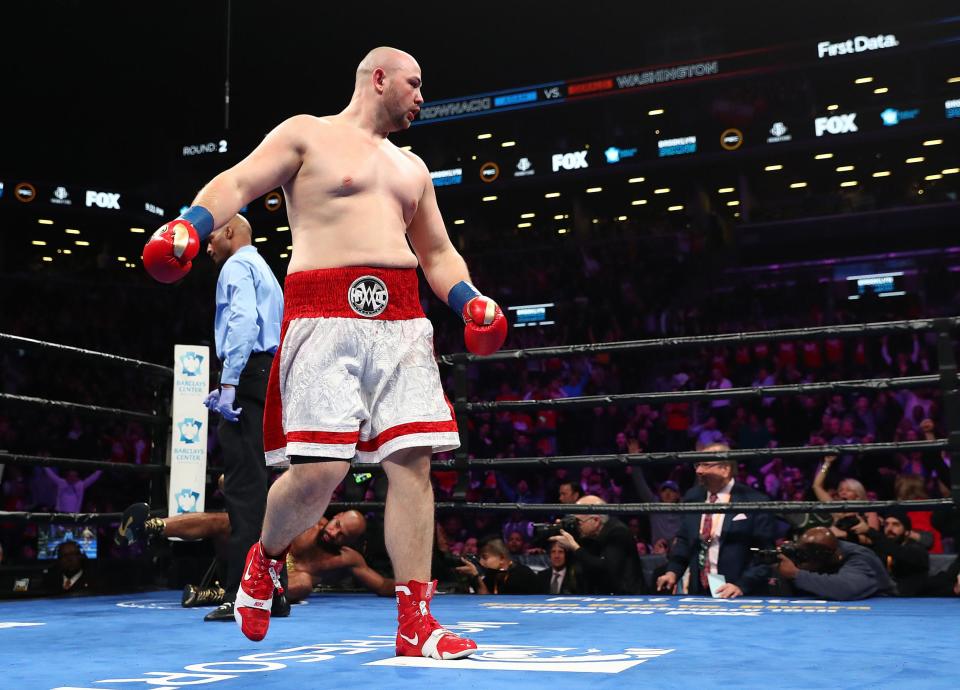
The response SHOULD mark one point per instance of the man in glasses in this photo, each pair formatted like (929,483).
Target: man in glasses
(716,546)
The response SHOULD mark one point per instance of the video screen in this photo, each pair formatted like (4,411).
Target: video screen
(49,537)
(532,315)
(876,285)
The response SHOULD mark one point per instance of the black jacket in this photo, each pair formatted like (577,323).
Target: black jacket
(572,580)
(907,561)
(740,532)
(609,562)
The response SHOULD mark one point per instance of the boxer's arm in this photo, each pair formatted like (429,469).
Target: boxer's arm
(441,262)
(270,165)
(374,581)
(485,327)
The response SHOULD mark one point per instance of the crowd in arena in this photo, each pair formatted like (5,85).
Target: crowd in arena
(622,290)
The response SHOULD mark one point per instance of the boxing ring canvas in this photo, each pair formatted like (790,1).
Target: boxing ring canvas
(346,641)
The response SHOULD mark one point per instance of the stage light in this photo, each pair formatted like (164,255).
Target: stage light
(881,90)
(260,239)
(638,202)
(797,185)
(137,231)
(634,180)
(774,167)
(915,159)
(485,136)
(594,190)
(524,225)
(844,168)
(551,195)
(528,215)
(823,156)
(82,243)
(882,173)
(655,111)
(44,221)
(508,144)
(933,142)
(662,190)
(935,176)
(863,80)
(39,243)
(734,202)
(679,207)
(72,231)
(490,198)
(849,183)
(459,221)
(724,190)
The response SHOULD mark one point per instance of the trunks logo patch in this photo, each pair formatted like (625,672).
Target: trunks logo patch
(368,296)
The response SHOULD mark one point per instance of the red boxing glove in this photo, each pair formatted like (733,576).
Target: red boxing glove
(168,255)
(486,326)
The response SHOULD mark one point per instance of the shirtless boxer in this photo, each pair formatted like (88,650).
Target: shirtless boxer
(322,548)
(326,547)
(355,375)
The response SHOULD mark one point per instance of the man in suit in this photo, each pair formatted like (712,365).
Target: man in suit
(562,577)
(719,543)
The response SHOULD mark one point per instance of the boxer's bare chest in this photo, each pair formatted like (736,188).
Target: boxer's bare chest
(343,165)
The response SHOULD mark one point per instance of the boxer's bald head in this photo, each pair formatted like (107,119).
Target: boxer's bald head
(387,59)
(387,89)
(227,239)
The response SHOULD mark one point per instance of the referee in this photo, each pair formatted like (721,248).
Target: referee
(247,331)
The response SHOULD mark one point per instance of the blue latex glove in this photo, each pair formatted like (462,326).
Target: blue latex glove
(221,402)
(212,400)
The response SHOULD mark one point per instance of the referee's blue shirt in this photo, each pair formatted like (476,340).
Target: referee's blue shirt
(249,311)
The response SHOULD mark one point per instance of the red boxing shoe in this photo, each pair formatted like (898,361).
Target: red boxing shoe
(419,633)
(261,577)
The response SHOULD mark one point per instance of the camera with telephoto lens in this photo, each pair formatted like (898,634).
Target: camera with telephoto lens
(847,522)
(789,549)
(452,560)
(542,531)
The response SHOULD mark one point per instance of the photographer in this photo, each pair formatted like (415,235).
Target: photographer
(607,557)
(502,575)
(825,567)
(849,526)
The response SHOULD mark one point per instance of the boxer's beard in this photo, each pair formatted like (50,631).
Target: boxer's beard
(330,548)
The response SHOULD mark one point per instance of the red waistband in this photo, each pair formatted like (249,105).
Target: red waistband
(352,292)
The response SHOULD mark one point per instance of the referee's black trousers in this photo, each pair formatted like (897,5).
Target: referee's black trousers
(246,479)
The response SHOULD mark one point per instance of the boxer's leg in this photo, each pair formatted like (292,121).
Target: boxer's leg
(298,500)
(191,526)
(408,529)
(408,520)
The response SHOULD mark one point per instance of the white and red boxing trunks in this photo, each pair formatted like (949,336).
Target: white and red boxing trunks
(355,374)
